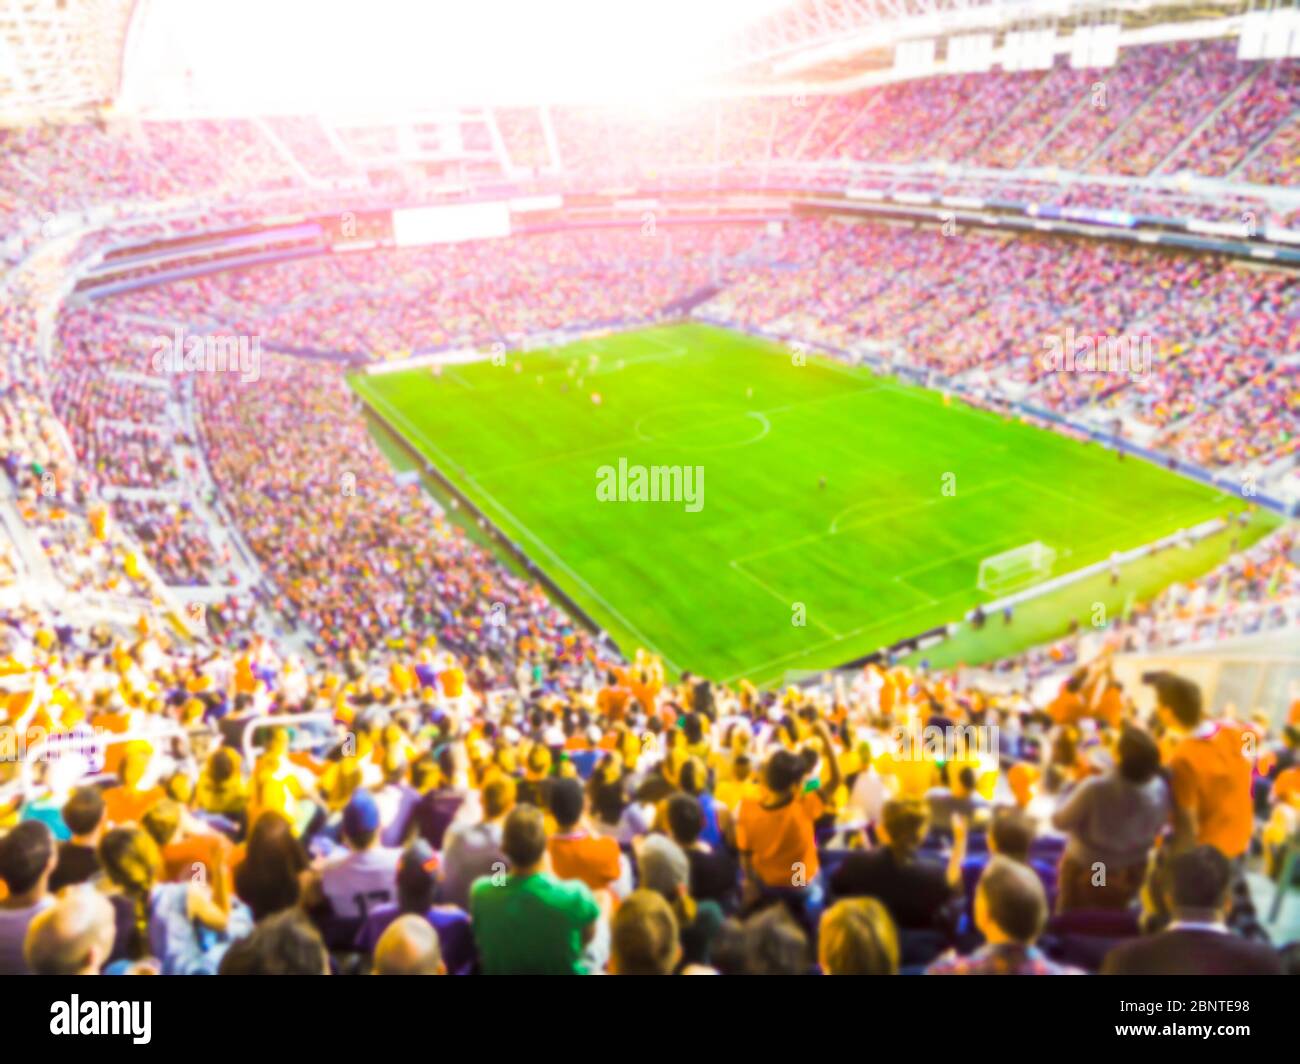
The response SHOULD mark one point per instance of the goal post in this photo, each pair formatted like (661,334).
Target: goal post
(1016,568)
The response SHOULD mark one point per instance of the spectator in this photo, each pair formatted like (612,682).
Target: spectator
(1112,822)
(275,868)
(181,924)
(1209,773)
(577,853)
(409,946)
(1010,912)
(363,878)
(74,936)
(283,944)
(857,937)
(529,922)
(27,857)
(776,834)
(913,888)
(85,815)
(1198,887)
(474,850)
(643,936)
(714,874)
(417,891)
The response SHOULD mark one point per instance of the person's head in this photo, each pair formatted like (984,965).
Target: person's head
(783,771)
(417,878)
(904,823)
(775,944)
(1178,700)
(74,936)
(523,837)
(162,821)
(221,766)
(284,944)
(130,859)
(643,936)
(361,820)
(963,781)
(1011,834)
(1139,756)
(1022,778)
(498,797)
(566,800)
(409,946)
(858,937)
(693,777)
(1199,883)
(664,867)
(685,819)
(83,812)
(267,880)
(27,857)
(132,863)
(1010,903)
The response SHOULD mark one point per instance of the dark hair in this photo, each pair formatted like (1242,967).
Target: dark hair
(606,796)
(566,800)
(24,855)
(906,821)
(221,766)
(523,837)
(83,810)
(775,944)
(1198,879)
(1139,756)
(1012,833)
(784,770)
(283,944)
(267,879)
(685,818)
(1180,696)
(1015,898)
(966,777)
(417,884)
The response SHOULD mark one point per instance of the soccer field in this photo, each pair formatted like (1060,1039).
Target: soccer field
(840,510)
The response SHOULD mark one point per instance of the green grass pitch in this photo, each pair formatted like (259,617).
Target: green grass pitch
(878,553)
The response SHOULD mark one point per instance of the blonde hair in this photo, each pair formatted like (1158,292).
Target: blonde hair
(858,937)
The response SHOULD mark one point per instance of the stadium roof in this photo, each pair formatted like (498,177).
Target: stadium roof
(186,57)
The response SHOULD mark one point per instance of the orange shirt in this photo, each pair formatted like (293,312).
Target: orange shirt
(1286,788)
(593,859)
(780,840)
(125,805)
(1211,778)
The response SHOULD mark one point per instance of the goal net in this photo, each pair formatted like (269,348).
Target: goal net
(1016,568)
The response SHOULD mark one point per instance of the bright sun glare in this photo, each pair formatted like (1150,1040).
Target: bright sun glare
(345,56)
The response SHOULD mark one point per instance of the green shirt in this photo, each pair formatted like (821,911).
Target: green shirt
(531,925)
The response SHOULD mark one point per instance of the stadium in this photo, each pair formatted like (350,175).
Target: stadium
(774,487)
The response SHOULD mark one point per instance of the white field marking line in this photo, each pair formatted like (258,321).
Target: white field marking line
(765,426)
(784,599)
(1075,500)
(526,531)
(454,375)
(758,670)
(930,599)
